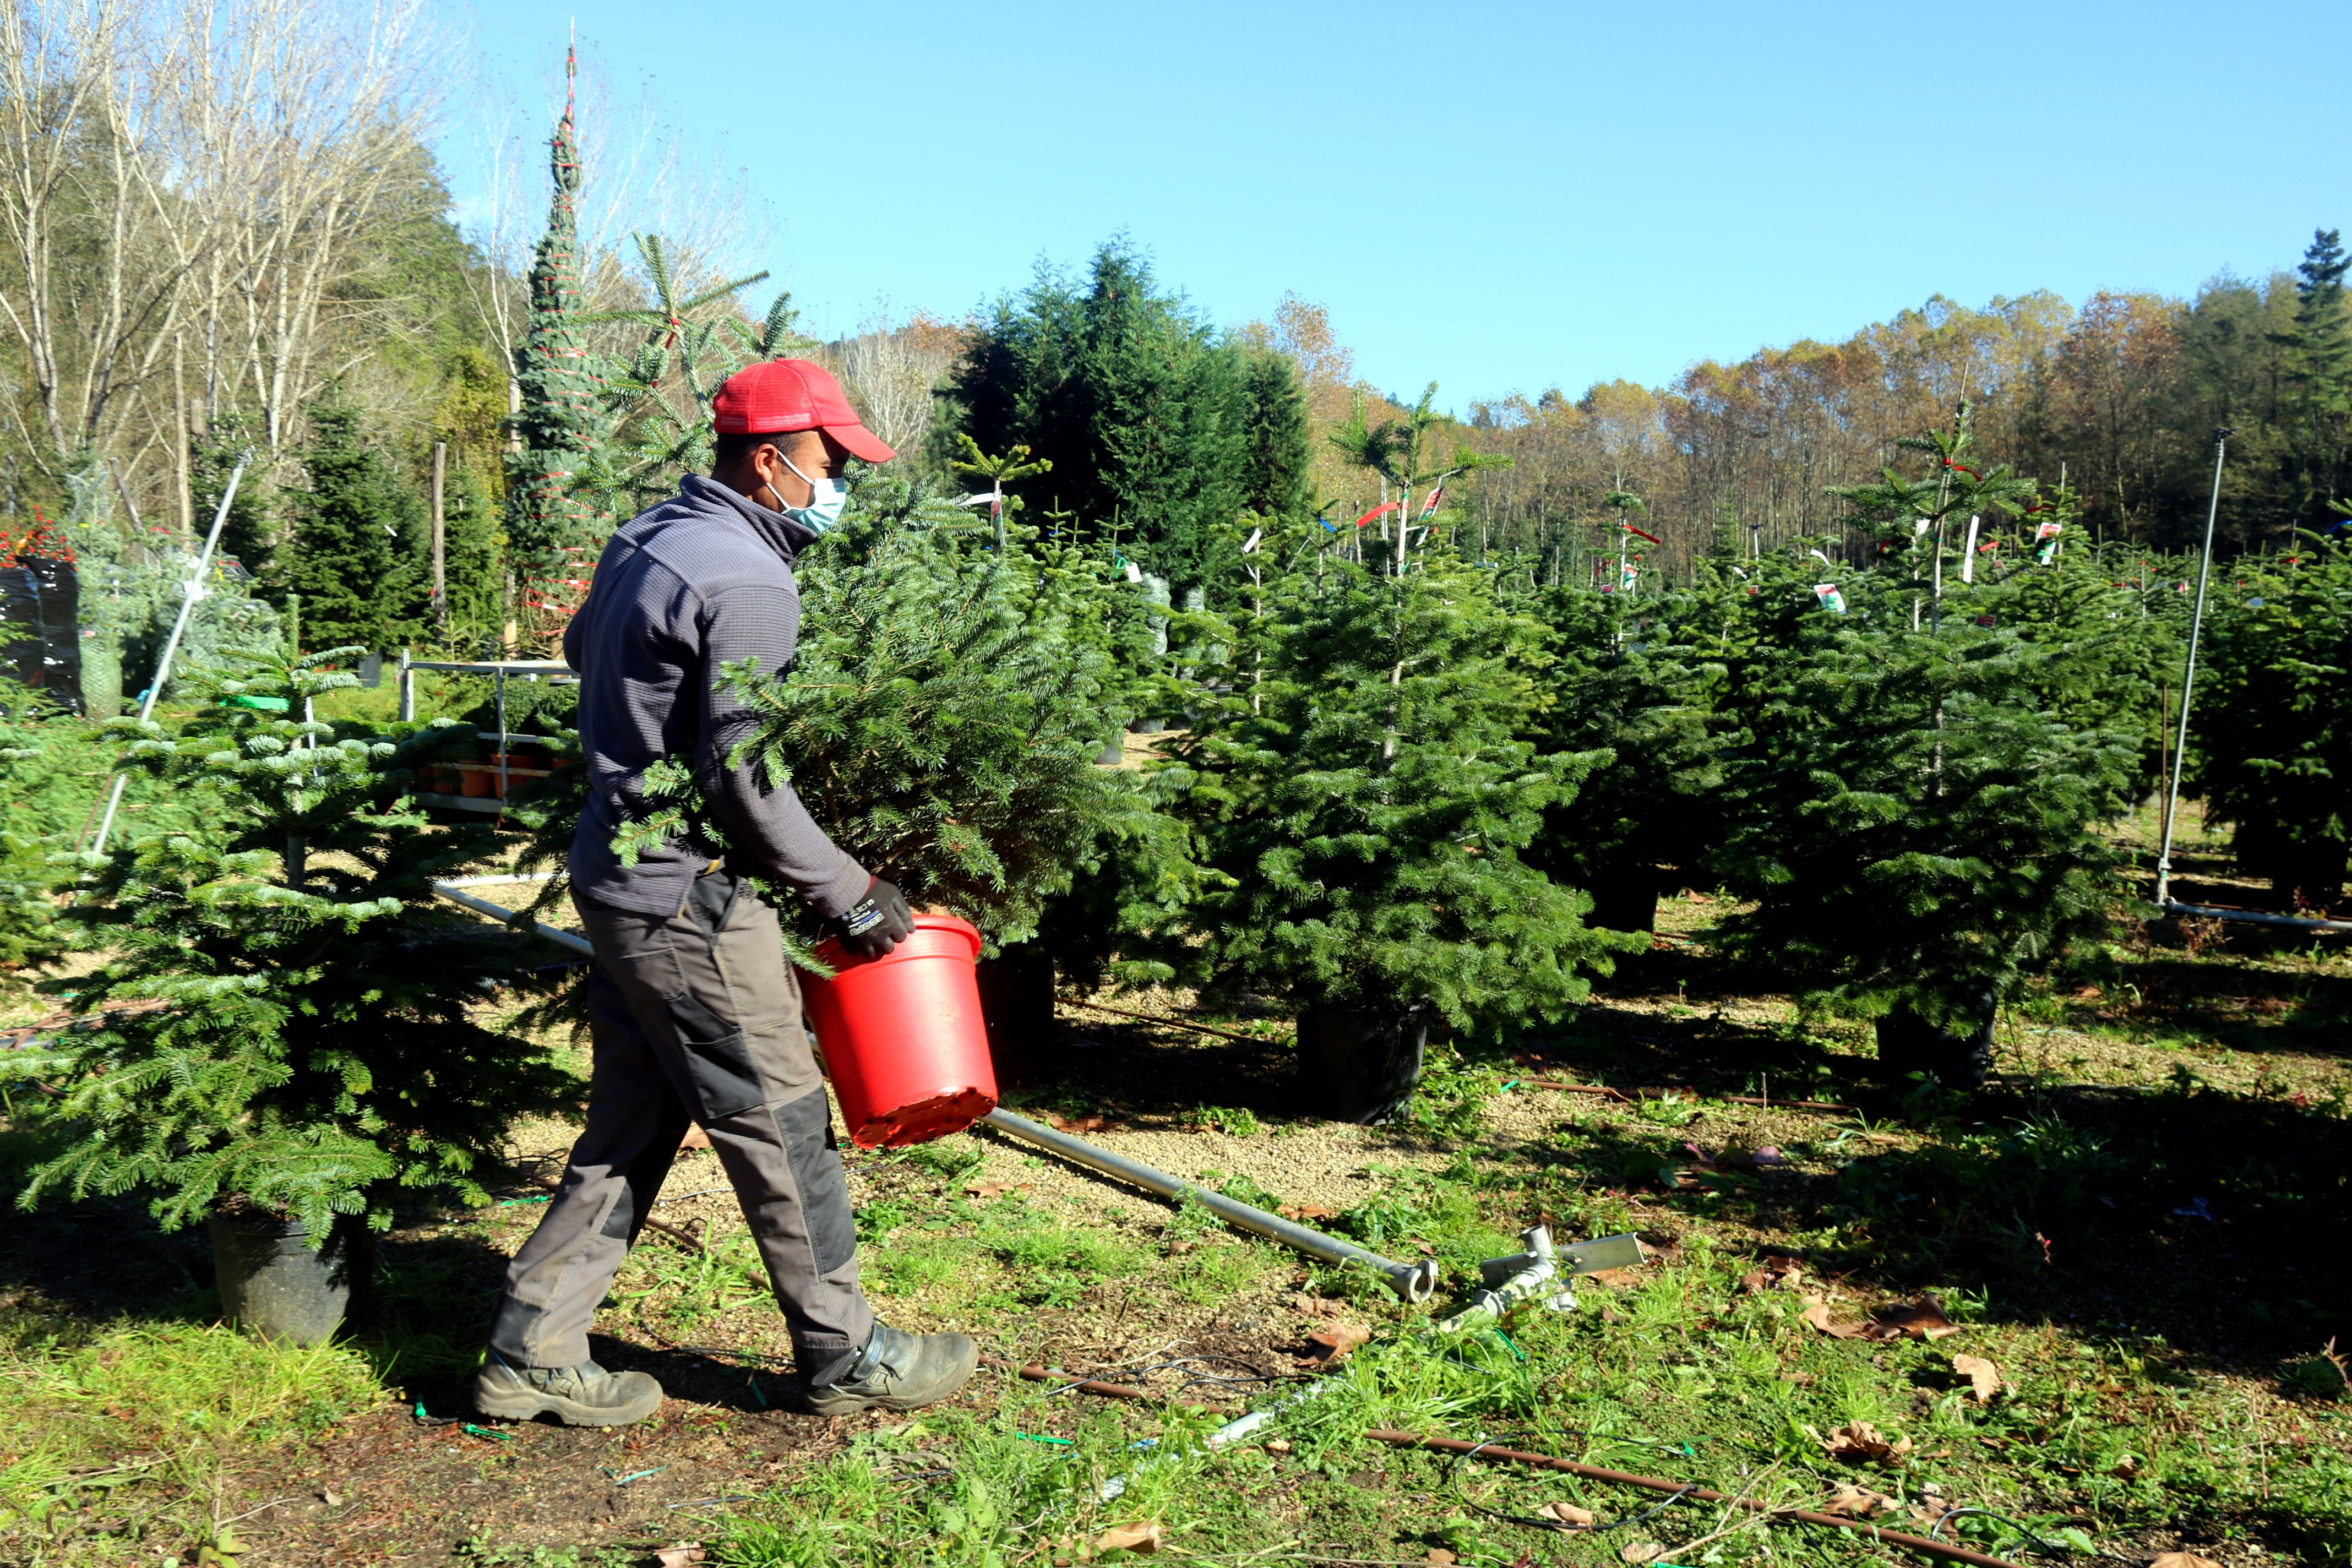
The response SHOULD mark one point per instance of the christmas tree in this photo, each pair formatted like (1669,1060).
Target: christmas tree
(311,1044)
(552,526)
(1638,678)
(1917,833)
(2274,748)
(354,554)
(1365,806)
(944,716)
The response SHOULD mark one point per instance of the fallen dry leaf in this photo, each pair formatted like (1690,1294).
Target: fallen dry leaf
(1307,1211)
(1858,1442)
(1610,1278)
(1136,1537)
(1817,1313)
(1277,1444)
(1338,1339)
(684,1555)
(1851,1501)
(1439,1554)
(1778,1274)
(1641,1552)
(1799,1378)
(2126,1468)
(1568,1513)
(1921,1320)
(1982,1375)
(994,1189)
(1317,1306)
(2183,1559)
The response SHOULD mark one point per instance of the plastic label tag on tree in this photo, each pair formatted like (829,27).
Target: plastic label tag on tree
(1831,600)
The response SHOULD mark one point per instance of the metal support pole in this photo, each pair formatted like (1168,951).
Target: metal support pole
(407,689)
(190,592)
(2189,678)
(1412,1281)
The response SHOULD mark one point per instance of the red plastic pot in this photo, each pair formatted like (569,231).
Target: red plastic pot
(903,1036)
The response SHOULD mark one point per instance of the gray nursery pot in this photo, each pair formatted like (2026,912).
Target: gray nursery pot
(271,1283)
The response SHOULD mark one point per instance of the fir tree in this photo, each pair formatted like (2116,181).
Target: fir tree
(2272,752)
(1366,807)
(1639,680)
(314,1049)
(657,400)
(1916,833)
(944,714)
(354,556)
(548,514)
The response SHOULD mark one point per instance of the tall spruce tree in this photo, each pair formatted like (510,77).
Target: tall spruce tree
(550,522)
(1156,427)
(310,1040)
(357,537)
(2319,372)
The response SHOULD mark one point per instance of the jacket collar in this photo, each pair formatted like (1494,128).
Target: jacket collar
(786,537)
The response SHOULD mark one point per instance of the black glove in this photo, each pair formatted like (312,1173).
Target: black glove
(877,922)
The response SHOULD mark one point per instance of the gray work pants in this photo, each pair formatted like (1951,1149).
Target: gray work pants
(693,1017)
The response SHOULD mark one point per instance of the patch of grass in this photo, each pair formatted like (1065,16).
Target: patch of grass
(139,1421)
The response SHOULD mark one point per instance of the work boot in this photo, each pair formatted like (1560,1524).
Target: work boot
(583,1395)
(897,1371)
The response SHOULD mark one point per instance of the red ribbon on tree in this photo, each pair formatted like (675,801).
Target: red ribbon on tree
(1376,511)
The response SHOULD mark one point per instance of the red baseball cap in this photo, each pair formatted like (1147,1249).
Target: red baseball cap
(781,395)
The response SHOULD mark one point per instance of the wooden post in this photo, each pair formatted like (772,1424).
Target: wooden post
(184,435)
(440,546)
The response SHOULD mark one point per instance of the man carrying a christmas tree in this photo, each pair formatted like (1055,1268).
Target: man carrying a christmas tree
(695,1013)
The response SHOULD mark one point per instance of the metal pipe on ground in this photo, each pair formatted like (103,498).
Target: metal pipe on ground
(571,942)
(2253,917)
(1415,1282)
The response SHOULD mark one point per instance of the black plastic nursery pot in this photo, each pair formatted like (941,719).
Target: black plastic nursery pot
(1909,1044)
(271,1283)
(1359,1066)
(1016,1003)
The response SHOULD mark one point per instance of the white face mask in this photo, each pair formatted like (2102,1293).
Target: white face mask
(823,509)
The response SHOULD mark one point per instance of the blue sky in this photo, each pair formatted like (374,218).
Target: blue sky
(1501,198)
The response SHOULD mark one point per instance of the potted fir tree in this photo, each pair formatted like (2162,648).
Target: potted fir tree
(1917,829)
(1364,798)
(283,1037)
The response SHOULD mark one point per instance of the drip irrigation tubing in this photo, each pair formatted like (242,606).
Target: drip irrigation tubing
(1943,1549)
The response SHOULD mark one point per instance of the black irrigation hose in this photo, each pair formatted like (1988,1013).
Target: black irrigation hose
(1453,1473)
(2043,1547)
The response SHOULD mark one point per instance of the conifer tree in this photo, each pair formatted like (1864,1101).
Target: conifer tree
(2272,746)
(548,514)
(1638,678)
(1365,810)
(314,1048)
(1916,832)
(944,714)
(354,554)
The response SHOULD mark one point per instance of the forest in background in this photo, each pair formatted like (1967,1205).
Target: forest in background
(221,230)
